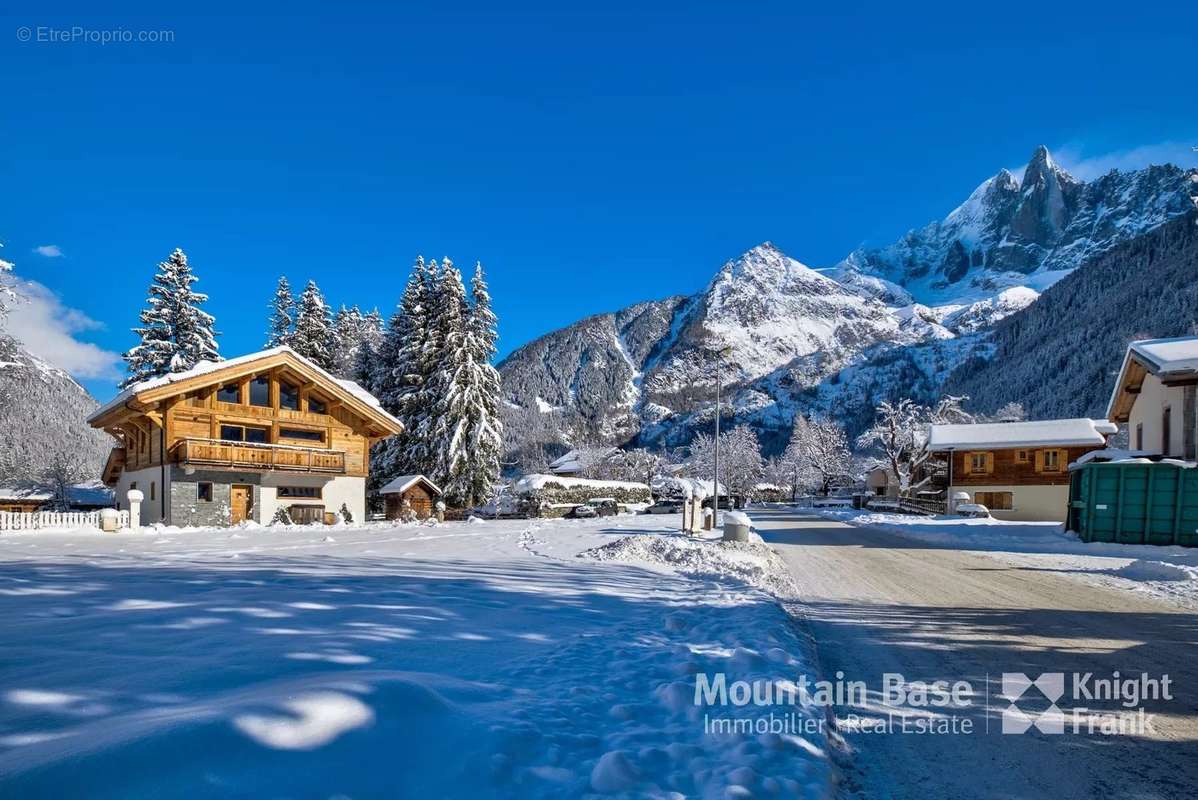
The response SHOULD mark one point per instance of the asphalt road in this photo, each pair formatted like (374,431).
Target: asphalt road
(878,603)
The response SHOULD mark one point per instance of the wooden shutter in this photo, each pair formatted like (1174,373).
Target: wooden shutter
(989,463)
(1039,461)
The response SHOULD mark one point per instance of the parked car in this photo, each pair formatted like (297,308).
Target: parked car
(665,506)
(583,511)
(605,506)
(725,502)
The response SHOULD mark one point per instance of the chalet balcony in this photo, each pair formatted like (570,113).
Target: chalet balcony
(220,454)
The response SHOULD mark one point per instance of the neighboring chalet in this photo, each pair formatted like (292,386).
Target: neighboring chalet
(1019,470)
(230,441)
(410,495)
(80,497)
(1155,396)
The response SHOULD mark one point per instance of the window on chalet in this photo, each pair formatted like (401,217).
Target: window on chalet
(260,391)
(995,501)
(288,396)
(204,491)
(229,393)
(244,433)
(301,434)
(1166,430)
(300,491)
(1139,435)
(1052,460)
(316,405)
(979,463)
(1021,457)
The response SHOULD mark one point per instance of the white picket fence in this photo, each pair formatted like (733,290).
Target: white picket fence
(51,520)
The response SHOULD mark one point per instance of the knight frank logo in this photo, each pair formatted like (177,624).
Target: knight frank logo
(1015,688)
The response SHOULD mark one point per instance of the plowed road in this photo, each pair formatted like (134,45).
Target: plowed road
(879,603)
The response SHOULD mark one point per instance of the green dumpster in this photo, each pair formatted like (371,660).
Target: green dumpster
(1134,503)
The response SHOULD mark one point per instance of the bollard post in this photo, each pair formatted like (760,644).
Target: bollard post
(135,497)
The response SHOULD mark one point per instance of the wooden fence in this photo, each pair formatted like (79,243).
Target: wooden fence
(55,520)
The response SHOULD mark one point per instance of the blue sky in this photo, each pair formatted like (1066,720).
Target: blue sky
(590,155)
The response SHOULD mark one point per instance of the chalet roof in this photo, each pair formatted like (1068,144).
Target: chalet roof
(405,482)
(362,400)
(1040,433)
(580,459)
(1164,358)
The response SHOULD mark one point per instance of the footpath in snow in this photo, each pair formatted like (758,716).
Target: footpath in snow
(1165,573)
(477,659)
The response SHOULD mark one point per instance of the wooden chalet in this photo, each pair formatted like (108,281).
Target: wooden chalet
(236,440)
(410,495)
(1019,470)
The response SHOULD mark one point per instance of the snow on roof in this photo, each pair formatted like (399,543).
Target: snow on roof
(531,483)
(1168,355)
(27,493)
(405,482)
(998,435)
(580,458)
(206,367)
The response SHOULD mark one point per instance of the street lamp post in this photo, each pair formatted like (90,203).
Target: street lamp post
(715,481)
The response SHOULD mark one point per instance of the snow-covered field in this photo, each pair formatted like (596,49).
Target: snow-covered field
(473,659)
(1166,573)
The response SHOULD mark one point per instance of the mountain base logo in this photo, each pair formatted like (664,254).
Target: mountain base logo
(1051,703)
(1128,718)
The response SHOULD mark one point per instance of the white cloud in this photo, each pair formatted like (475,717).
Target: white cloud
(1090,166)
(49,251)
(47,328)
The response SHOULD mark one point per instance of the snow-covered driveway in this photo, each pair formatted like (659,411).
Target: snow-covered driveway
(462,660)
(883,603)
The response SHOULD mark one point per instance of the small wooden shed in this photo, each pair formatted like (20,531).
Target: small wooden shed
(410,493)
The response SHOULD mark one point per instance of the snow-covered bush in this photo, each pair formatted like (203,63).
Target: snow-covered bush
(281,517)
(346,514)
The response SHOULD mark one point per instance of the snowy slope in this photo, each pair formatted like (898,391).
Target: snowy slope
(1027,231)
(458,660)
(43,412)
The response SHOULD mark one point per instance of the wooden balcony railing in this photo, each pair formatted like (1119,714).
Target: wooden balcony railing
(248,455)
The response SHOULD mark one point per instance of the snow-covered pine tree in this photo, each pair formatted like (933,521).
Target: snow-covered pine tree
(399,375)
(346,337)
(444,430)
(478,385)
(282,315)
(369,350)
(313,337)
(175,333)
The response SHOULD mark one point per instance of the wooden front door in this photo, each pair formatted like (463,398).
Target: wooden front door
(241,501)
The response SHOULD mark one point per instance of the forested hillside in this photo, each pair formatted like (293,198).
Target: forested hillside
(1060,356)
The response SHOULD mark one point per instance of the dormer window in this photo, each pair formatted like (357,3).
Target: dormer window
(229,393)
(316,405)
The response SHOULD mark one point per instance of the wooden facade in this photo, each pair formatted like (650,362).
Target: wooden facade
(415,494)
(274,413)
(1021,466)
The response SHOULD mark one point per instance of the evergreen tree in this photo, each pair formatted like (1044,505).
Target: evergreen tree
(346,338)
(369,350)
(475,402)
(443,430)
(313,329)
(282,316)
(399,375)
(175,333)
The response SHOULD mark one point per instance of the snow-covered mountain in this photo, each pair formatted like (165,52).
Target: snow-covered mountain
(1027,231)
(883,323)
(42,413)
